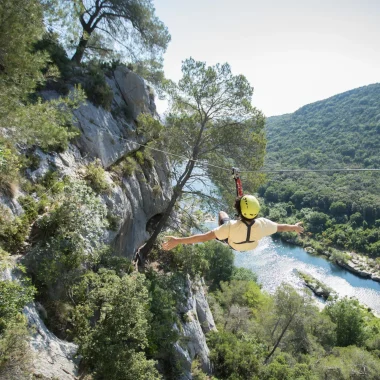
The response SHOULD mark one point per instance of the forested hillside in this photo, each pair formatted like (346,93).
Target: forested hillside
(342,132)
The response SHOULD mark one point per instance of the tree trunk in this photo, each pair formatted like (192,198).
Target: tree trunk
(279,339)
(78,56)
(145,249)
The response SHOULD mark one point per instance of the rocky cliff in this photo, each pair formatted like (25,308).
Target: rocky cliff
(136,201)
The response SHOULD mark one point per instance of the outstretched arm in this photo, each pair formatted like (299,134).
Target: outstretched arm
(290,228)
(173,241)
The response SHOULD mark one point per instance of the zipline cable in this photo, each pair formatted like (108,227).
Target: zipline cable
(244,171)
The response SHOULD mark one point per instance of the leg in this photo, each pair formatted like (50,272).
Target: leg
(223,216)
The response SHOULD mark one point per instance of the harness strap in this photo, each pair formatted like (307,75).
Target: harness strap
(249,226)
(239,185)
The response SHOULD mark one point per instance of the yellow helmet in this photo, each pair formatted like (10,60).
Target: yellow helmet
(249,206)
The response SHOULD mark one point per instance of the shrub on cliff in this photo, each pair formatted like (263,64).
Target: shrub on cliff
(69,237)
(96,178)
(14,346)
(9,165)
(111,325)
(96,87)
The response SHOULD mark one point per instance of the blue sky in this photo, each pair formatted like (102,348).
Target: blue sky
(292,52)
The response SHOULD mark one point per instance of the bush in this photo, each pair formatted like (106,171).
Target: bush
(317,221)
(9,167)
(14,347)
(348,317)
(220,260)
(125,168)
(233,358)
(57,53)
(14,297)
(348,363)
(190,260)
(69,237)
(97,89)
(243,274)
(13,231)
(164,296)
(144,156)
(15,353)
(111,324)
(96,178)
(113,221)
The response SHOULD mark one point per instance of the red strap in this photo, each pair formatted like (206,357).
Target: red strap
(239,187)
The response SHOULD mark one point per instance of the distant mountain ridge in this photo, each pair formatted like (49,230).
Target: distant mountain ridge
(342,208)
(343,131)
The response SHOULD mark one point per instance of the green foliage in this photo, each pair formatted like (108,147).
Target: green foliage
(203,125)
(164,297)
(152,71)
(190,260)
(13,297)
(317,221)
(284,367)
(15,357)
(96,87)
(348,317)
(113,221)
(96,178)
(114,27)
(196,371)
(220,262)
(125,168)
(233,358)
(15,354)
(237,292)
(47,124)
(144,157)
(14,230)
(69,237)
(243,274)
(111,322)
(149,127)
(348,363)
(9,165)
(325,135)
(21,25)
(58,56)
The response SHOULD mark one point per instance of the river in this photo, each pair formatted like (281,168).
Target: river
(276,261)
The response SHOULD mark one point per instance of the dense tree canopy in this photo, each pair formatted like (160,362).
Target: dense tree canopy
(340,132)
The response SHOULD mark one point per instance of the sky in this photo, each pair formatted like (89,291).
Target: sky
(292,52)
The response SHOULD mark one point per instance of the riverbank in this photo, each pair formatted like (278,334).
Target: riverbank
(360,265)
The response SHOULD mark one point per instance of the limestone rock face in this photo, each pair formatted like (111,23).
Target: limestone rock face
(109,136)
(197,320)
(53,358)
(134,92)
(136,201)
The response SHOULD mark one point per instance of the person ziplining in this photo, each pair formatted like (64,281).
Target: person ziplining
(242,234)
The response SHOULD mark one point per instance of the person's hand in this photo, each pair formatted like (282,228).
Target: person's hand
(171,243)
(298,228)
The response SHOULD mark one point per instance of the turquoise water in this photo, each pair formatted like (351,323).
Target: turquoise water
(275,262)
